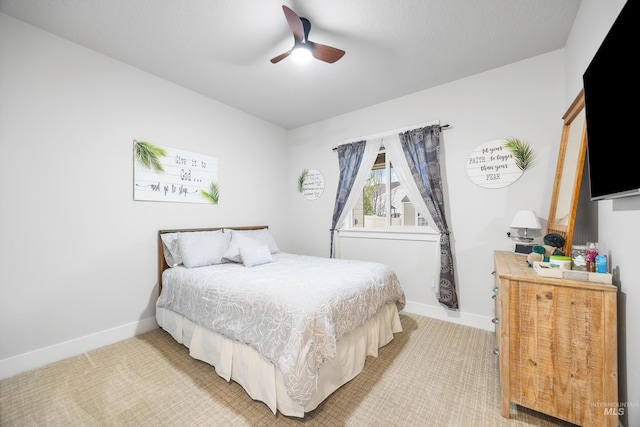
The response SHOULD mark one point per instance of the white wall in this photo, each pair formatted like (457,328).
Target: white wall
(618,229)
(77,254)
(523,100)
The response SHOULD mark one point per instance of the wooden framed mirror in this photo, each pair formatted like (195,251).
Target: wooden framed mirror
(566,188)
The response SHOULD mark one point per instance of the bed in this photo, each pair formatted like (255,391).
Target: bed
(290,329)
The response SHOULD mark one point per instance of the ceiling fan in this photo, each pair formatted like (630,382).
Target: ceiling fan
(300,28)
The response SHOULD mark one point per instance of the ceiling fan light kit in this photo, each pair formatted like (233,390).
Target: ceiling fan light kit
(301,54)
(300,28)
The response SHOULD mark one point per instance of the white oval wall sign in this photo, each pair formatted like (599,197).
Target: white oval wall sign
(491,165)
(313,185)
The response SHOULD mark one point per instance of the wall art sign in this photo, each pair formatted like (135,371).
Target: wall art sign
(166,174)
(493,165)
(311,184)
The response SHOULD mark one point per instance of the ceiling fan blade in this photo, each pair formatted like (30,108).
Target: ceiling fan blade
(280,57)
(294,23)
(325,53)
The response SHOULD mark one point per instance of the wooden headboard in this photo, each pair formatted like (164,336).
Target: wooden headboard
(162,262)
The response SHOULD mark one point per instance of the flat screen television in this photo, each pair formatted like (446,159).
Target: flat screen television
(611,97)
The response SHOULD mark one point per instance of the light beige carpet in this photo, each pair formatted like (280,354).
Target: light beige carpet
(434,373)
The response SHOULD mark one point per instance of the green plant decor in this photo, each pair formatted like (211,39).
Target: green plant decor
(521,151)
(148,155)
(301,179)
(213,194)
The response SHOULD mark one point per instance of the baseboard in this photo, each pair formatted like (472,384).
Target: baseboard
(459,317)
(44,356)
(35,359)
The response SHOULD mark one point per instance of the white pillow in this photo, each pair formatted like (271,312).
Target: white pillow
(255,255)
(171,251)
(261,235)
(200,248)
(238,241)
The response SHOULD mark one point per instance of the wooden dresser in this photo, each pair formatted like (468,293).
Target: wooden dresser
(556,344)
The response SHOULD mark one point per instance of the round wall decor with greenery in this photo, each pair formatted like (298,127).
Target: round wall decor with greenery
(499,163)
(311,184)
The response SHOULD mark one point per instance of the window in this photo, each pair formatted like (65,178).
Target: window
(384,202)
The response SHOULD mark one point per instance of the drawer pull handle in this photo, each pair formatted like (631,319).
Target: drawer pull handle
(496,352)
(493,273)
(495,320)
(493,296)
(495,289)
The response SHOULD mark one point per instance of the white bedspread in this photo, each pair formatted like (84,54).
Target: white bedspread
(292,311)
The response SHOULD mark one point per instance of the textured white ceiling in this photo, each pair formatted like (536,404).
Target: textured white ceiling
(222,48)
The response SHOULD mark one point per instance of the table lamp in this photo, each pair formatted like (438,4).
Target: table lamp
(525,220)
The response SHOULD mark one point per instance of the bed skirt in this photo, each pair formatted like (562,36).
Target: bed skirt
(261,379)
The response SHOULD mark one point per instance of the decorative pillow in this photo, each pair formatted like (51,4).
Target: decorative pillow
(200,248)
(255,255)
(171,251)
(262,235)
(238,240)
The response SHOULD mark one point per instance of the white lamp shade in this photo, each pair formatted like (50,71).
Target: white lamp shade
(301,54)
(526,219)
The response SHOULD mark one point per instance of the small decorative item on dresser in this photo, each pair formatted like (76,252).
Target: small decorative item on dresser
(560,261)
(601,264)
(552,244)
(579,257)
(592,253)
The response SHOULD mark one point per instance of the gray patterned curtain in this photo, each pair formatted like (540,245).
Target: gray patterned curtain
(421,148)
(349,159)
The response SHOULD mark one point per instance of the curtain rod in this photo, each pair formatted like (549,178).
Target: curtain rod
(442,127)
